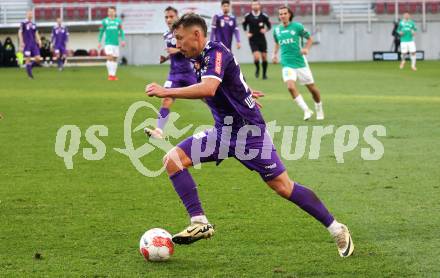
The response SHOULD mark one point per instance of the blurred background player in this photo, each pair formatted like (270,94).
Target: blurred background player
(60,37)
(181,73)
(112,27)
(396,36)
(224,27)
(406,30)
(258,23)
(30,43)
(233,106)
(289,37)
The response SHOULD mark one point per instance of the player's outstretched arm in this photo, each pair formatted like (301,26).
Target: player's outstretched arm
(20,39)
(206,88)
(275,53)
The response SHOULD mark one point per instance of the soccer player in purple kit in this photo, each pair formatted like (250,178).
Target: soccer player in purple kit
(222,86)
(60,36)
(224,26)
(30,42)
(181,73)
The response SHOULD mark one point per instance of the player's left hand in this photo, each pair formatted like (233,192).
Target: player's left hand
(123,43)
(256,95)
(238,45)
(263,30)
(304,51)
(155,90)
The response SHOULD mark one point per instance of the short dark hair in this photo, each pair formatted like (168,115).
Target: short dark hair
(289,10)
(169,8)
(191,19)
(112,8)
(226,2)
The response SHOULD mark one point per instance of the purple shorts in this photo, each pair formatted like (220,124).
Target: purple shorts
(31,50)
(60,51)
(179,80)
(257,153)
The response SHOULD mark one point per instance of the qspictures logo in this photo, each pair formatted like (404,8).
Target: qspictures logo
(346,139)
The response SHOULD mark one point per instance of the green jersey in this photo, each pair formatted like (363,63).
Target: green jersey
(290,38)
(407,27)
(112,29)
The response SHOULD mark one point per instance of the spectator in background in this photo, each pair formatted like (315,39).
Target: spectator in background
(45,50)
(2,50)
(9,57)
(396,35)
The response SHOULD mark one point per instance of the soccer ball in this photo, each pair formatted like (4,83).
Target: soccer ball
(156,245)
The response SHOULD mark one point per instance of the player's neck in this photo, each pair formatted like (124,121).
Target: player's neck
(286,24)
(256,13)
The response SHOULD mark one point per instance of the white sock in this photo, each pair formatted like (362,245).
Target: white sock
(199,219)
(109,67)
(413,61)
(318,106)
(115,68)
(334,228)
(301,103)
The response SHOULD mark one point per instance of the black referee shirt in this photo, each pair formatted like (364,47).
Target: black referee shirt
(256,23)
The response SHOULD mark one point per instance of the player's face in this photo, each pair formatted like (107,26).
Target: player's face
(29,15)
(59,21)
(188,41)
(284,15)
(255,6)
(406,16)
(170,18)
(226,8)
(111,13)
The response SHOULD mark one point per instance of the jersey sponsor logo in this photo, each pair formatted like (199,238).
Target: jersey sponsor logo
(287,41)
(218,62)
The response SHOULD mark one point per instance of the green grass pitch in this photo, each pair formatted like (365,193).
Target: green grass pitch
(87,222)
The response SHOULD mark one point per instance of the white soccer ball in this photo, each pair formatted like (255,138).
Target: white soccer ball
(156,245)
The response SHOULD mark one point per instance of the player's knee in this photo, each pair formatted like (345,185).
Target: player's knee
(175,160)
(284,190)
(167,102)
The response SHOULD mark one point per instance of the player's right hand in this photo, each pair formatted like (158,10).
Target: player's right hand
(162,59)
(275,59)
(22,47)
(99,46)
(249,35)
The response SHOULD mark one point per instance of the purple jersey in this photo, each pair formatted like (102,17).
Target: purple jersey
(28,30)
(233,96)
(223,29)
(60,36)
(179,63)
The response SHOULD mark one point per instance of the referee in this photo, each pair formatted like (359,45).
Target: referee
(257,24)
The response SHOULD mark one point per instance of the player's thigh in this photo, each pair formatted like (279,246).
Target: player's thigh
(289,74)
(202,147)
(412,47)
(262,46)
(257,55)
(112,51)
(305,76)
(175,160)
(264,160)
(404,47)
